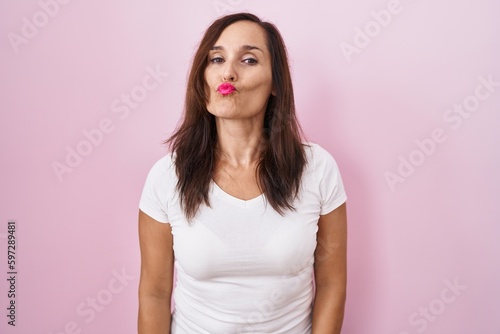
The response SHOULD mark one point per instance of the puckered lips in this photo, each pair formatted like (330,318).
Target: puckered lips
(226,88)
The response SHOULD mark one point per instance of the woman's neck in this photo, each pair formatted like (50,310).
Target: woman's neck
(239,141)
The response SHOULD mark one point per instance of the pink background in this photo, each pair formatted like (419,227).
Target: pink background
(435,226)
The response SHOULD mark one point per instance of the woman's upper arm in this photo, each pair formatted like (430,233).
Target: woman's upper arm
(157,257)
(331,250)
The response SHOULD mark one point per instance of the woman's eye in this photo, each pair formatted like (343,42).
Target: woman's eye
(216,60)
(250,61)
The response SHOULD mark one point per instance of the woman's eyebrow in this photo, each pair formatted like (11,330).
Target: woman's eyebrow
(244,47)
(251,47)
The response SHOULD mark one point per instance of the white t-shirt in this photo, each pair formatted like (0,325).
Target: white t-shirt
(241,267)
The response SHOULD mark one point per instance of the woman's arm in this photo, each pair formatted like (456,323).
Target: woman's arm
(330,271)
(155,286)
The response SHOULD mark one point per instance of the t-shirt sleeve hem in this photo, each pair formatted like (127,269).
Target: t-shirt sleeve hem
(338,202)
(153,214)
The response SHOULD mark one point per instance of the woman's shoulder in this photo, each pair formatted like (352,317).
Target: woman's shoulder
(316,154)
(163,166)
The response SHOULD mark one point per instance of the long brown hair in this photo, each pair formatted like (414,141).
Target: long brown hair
(194,143)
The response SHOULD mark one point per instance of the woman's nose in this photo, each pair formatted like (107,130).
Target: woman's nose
(229,73)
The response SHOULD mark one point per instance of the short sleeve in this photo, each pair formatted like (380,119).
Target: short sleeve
(153,200)
(331,186)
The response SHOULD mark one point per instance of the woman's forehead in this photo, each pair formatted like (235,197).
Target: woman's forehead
(242,34)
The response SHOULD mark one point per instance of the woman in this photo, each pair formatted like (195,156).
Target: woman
(252,219)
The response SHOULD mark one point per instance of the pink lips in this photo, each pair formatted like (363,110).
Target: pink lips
(226,88)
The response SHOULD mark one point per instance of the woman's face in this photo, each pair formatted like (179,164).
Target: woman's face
(241,58)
